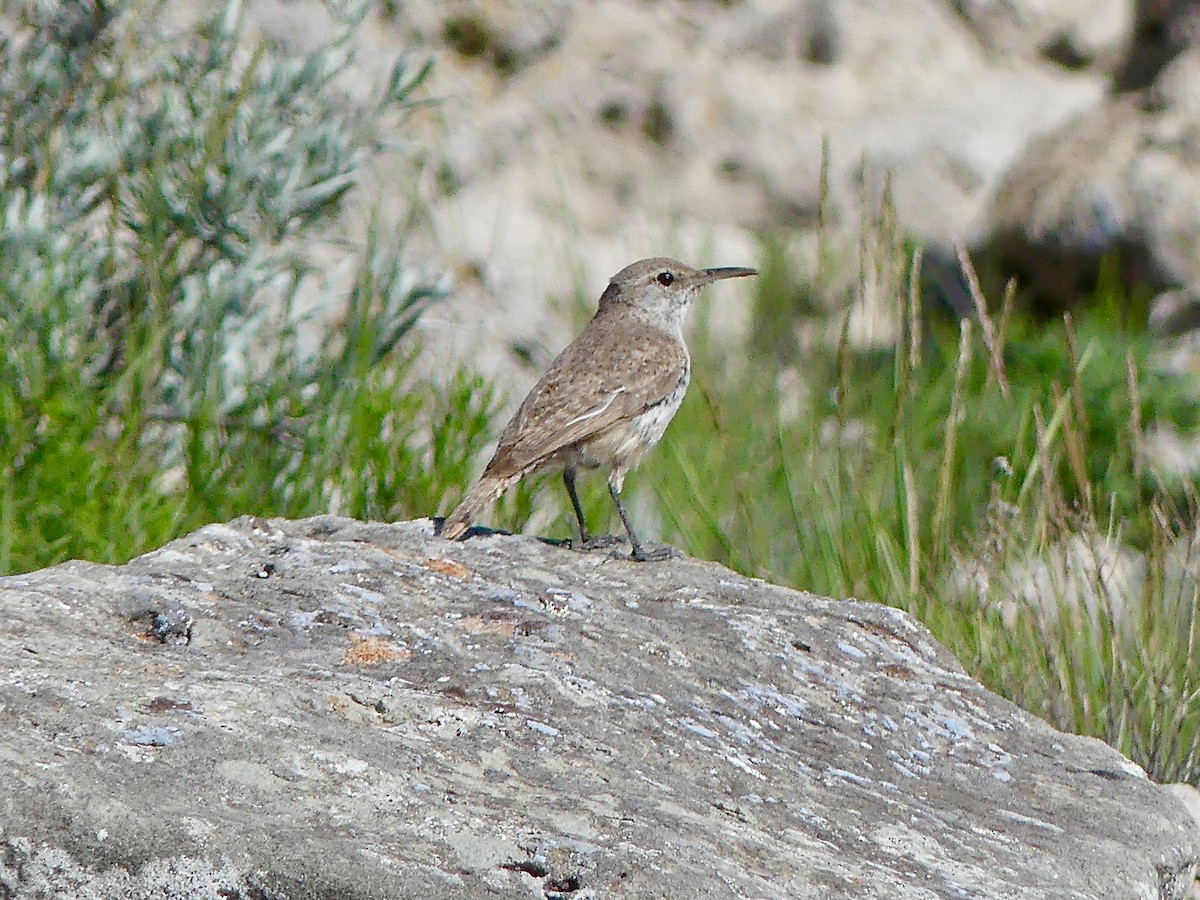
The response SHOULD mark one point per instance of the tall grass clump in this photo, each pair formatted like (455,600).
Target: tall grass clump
(986,474)
(172,349)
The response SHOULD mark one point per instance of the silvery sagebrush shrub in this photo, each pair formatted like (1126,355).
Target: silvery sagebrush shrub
(160,193)
(173,350)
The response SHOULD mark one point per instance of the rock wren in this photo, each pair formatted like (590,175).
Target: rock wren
(606,400)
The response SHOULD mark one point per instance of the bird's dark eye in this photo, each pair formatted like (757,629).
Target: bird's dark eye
(664,278)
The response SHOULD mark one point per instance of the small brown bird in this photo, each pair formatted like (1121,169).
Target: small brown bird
(608,397)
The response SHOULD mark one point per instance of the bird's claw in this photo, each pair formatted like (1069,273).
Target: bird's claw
(656,554)
(594,542)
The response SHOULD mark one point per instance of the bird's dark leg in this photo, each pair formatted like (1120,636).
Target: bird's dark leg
(639,553)
(569,481)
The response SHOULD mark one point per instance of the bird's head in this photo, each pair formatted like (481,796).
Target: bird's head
(663,287)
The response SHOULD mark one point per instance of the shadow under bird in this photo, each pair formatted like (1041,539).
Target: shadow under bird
(608,397)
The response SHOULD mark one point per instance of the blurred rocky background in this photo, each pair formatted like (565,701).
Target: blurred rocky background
(566,139)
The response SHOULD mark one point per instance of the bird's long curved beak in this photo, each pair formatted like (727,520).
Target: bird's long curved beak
(710,275)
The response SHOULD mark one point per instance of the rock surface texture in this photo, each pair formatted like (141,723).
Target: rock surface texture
(327,708)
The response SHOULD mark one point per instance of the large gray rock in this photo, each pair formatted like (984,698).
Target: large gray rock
(333,709)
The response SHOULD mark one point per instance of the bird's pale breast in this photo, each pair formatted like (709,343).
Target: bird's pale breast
(624,446)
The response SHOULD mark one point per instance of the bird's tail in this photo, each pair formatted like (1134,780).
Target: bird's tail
(478,499)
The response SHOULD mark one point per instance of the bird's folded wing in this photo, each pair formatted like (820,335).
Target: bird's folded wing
(600,380)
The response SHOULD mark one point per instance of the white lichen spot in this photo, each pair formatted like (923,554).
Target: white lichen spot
(849,776)
(696,728)
(542,728)
(851,650)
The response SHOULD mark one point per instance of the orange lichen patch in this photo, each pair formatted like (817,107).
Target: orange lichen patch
(488,625)
(449,567)
(162,669)
(371,651)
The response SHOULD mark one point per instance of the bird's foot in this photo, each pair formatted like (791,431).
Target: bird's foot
(594,542)
(655,554)
(461,534)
